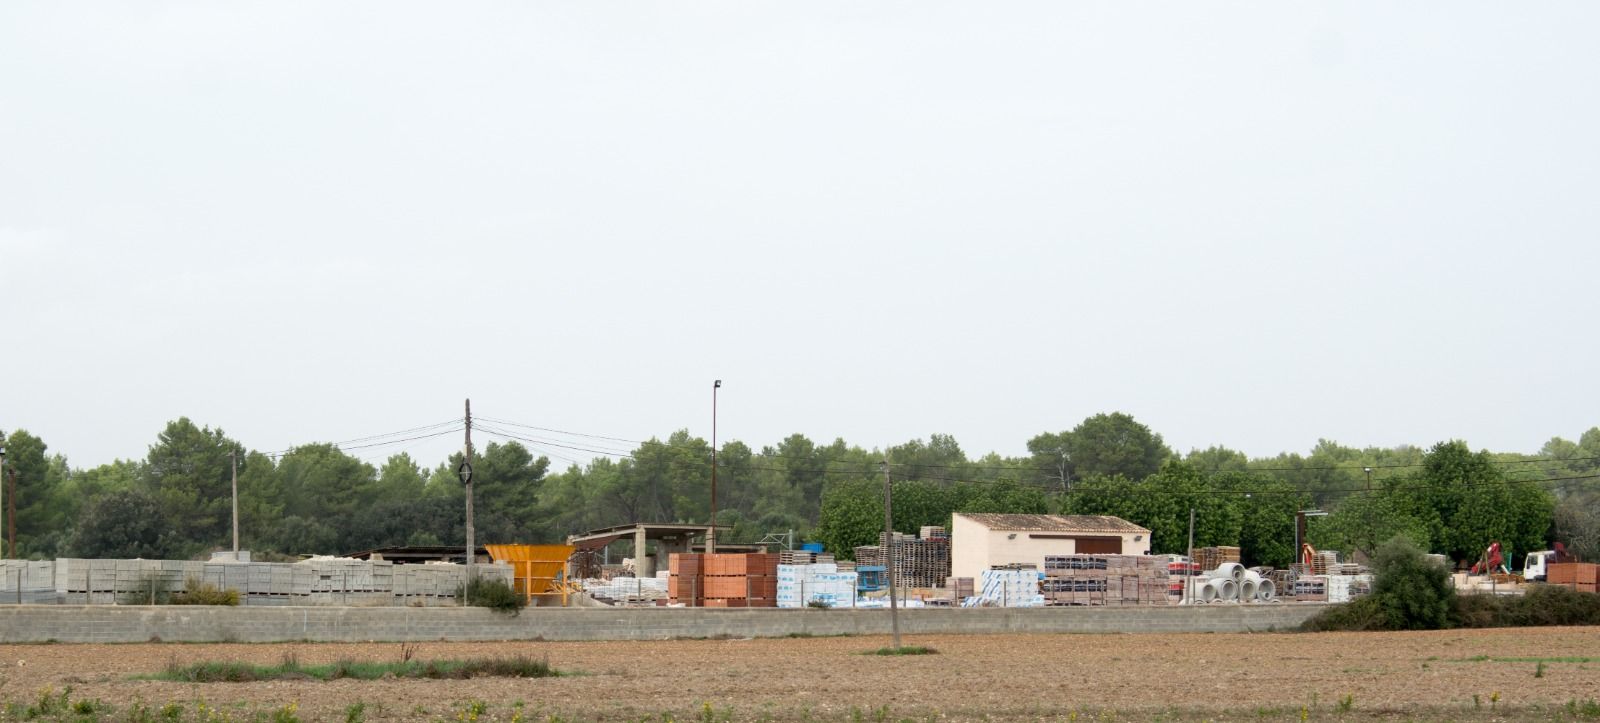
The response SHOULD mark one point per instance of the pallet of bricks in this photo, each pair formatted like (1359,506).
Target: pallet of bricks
(686,579)
(741,581)
(723,580)
(1104,580)
(1580,576)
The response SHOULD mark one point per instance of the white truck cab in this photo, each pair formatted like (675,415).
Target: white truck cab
(1533,570)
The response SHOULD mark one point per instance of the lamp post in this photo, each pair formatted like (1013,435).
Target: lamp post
(1368,470)
(711,534)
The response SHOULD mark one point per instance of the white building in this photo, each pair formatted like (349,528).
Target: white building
(980,540)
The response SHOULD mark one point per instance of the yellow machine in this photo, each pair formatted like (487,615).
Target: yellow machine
(535,569)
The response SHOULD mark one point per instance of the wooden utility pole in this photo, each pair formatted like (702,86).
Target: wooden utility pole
(888,549)
(233,455)
(472,544)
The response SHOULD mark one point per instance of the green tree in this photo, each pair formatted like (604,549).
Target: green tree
(320,482)
(1104,445)
(1412,592)
(189,472)
(39,478)
(125,523)
(852,515)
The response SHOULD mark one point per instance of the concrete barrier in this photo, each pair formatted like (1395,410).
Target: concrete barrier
(179,623)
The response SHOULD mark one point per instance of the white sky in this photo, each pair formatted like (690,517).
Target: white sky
(1250,224)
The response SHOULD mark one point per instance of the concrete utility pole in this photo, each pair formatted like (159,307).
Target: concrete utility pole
(888,549)
(233,455)
(711,535)
(1188,572)
(2,487)
(11,517)
(472,544)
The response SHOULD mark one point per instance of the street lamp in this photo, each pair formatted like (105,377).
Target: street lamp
(711,534)
(1368,470)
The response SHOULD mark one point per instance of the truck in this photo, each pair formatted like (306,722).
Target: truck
(1535,568)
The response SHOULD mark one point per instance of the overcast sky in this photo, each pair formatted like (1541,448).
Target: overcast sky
(1253,224)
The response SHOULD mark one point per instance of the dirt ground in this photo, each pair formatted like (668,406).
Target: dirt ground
(1429,675)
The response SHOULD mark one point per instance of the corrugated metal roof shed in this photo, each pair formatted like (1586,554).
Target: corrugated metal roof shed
(1053,523)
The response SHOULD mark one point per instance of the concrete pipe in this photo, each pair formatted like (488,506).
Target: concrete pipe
(1226,588)
(1247,590)
(1267,591)
(1231,570)
(1202,591)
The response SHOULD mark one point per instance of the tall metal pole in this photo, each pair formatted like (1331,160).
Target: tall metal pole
(711,535)
(472,545)
(1188,571)
(233,455)
(888,549)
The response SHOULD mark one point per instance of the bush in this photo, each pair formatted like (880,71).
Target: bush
(1409,592)
(1413,592)
(196,592)
(1541,605)
(494,594)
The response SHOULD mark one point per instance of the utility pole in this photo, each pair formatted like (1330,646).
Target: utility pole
(11,517)
(711,535)
(2,487)
(888,549)
(472,546)
(233,455)
(1368,470)
(1188,572)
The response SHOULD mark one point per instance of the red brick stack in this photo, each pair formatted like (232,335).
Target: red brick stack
(1581,576)
(686,581)
(739,581)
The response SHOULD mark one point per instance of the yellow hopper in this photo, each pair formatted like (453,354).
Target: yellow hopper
(535,569)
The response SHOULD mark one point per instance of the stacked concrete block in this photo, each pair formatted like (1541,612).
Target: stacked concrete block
(802,585)
(1008,588)
(29,582)
(1104,580)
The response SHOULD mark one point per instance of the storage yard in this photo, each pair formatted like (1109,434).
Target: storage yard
(1396,676)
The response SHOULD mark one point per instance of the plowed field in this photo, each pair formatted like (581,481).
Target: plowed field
(1433,675)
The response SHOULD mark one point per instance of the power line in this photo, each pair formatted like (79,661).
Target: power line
(353,442)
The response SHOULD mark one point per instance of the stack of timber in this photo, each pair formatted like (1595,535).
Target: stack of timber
(1211,558)
(1581,576)
(1104,580)
(918,562)
(804,557)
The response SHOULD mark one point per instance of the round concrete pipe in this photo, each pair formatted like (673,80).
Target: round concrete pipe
(1250,586)
(1267,591)
(1226,588)
(1202,591)
(1231,570)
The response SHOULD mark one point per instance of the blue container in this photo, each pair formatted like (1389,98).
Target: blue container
(811,546)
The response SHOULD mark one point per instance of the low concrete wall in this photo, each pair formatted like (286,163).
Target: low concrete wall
(129,623)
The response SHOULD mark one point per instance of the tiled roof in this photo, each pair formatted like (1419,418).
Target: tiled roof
(1053,523)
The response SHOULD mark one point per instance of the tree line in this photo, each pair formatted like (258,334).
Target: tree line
(175,502)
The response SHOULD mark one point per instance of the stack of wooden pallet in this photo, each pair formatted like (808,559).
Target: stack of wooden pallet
(1211,558)
(1104,580)
(961,588)
(1323,563)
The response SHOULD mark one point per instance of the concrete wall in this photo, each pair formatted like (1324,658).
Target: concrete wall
(975,548)
(130,623)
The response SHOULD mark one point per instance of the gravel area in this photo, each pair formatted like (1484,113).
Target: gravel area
(1000,677)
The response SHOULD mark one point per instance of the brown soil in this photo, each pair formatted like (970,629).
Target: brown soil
(1128,677)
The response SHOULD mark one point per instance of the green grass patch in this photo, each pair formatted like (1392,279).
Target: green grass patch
(904,650)
(519,666)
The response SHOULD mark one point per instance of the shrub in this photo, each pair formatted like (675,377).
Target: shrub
(1412,591)
(196,592)
(494,594)
(1541,605)
(1409,592)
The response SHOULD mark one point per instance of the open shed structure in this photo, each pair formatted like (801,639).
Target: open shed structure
(669,538)
(980,540)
